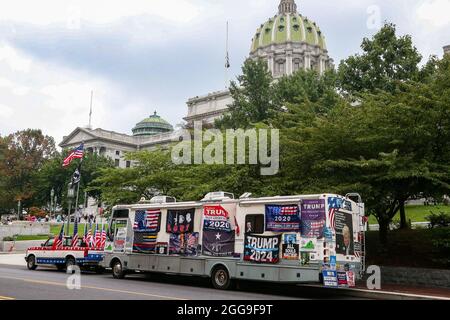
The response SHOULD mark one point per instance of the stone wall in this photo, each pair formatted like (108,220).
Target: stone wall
(19,246)
(416,277)
(24,229)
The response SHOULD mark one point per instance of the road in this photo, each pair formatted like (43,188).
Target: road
(18,283)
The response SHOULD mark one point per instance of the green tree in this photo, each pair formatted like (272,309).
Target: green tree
(386,61)
(26,153)
(252,97)
(152,173)
(53,175)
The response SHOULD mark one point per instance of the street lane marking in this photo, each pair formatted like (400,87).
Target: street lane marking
(95,288)
(6,298)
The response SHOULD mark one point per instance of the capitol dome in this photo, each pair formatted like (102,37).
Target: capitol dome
(152,125)
(290,41)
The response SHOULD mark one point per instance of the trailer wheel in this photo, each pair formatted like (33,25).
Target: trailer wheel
(70,263)
(221,278)
(31,263)
(117,270)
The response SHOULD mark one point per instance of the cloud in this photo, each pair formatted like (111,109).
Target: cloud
(46,12)
(5,111)
(15,61)
(145,55)
(434,12)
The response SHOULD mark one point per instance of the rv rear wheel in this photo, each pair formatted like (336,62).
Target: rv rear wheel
(221,278)
(117,270)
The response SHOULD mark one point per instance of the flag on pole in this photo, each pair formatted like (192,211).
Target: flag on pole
(85,234)
(103,237)
(88,235)
(237,228)
(97,237)
(78,153)
(75,234)
(58,242)
(76,177)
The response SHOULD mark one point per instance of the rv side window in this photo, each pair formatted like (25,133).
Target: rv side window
(120,214)
(254,223)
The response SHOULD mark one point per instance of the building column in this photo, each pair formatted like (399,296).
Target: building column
(321,65)
(307,61)
(289,64)
(271,64)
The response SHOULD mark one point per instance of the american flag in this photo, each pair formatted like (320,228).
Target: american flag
(103,237)
(97,237)
(58,242)
(148,221)
(332,218)
(86,235)
(75,234)
(78,153)
(312,229)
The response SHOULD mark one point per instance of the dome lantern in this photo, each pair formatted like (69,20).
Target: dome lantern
(287,6)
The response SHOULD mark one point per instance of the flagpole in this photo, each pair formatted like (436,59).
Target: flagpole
(227,59)
(78,192)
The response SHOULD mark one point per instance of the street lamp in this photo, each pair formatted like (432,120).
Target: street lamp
(52,196)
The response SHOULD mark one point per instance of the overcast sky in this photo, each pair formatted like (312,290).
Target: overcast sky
(145,55)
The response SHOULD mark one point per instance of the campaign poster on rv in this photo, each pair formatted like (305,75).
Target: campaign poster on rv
(218,234)
(344,234)
(180,221)
(291,248)
(313,218)
(283,218)
(262,249)
(216,218)
(218,243)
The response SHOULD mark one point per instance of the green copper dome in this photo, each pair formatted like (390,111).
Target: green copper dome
(151,126)
(288,26)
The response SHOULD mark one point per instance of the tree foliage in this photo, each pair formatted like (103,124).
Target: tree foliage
(386,61)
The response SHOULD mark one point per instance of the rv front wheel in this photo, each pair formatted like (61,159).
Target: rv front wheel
(117,270)
(221,278)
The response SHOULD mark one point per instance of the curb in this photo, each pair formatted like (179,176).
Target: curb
(379,294)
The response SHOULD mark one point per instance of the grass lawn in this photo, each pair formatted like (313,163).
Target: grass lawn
(28,238)
(56,228)
(417,213)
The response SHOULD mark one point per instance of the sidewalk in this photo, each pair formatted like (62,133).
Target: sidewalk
(13,259)
(414,291)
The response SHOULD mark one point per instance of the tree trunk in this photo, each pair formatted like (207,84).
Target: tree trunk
(403,222)
(384,229)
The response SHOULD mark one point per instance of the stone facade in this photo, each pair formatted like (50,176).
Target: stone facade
(209,107)
(115,145)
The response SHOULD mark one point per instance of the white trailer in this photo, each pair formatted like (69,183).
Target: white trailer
(287,239)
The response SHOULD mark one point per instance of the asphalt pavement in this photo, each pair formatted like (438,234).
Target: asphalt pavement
(16,282)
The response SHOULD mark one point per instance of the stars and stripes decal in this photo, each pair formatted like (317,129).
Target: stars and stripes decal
(332,218)
(147,221)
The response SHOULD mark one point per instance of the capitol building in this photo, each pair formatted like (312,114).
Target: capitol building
(288,42)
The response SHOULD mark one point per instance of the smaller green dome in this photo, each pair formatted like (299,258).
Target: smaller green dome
(152,125)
